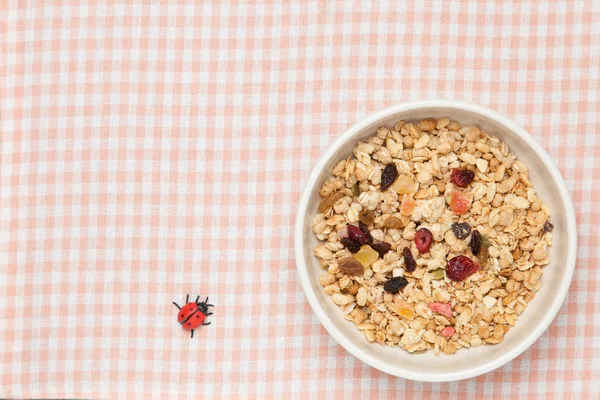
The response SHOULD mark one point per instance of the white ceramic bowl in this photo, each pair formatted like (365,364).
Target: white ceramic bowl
(537,316)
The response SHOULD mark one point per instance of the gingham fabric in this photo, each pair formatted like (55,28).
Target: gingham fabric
(150,151)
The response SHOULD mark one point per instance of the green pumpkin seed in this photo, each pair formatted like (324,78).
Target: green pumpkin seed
(438,274)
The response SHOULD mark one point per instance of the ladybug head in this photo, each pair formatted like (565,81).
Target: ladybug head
(202,307)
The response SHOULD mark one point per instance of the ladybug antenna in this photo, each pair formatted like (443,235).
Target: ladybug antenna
(177,305)
(187,299)
(197,299)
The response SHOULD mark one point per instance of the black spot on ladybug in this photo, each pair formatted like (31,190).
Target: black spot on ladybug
(197,316)
(182,315)
(189,323)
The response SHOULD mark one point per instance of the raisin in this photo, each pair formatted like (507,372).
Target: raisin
(462,177)
(394,285)
(351,245)
(482,257)
(461,230)
(356,234)
(548,227)
(475,242)
(329,201)
(365,230)
(409,261)
(350,266)
(388,176)
(459,267)
(355,190)
(394,223)
(423,240)
(366,217)
(382,248)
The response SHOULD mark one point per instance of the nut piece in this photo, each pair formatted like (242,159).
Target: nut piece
(350,266)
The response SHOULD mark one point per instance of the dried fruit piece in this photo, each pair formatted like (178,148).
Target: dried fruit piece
(438,274)
(459,203)
(388,176)
(351,245)
(393,222)
(423,240)
(459,267)
(366,217)
(475,242)
(408,205)
(461,230)
(329,201)
(355,189)
(484,251)
(366,232)
(442,308)
(394,285)
(406,312)
(409,261)
(366,255)
(382,248)
(548,227)
(462,177)
(404,184)
(356,234)
(350,266)
(447,332)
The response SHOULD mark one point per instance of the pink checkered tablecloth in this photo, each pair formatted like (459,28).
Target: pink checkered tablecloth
(149,151)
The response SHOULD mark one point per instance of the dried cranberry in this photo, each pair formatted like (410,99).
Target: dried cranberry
(460,267)
(388,176)
(351,245)
(395,284)
(409,261)
(461,230)
(462,177)
(363,228)
(382,248)
(356,234)
(548,227)
(475,242)
(423,239)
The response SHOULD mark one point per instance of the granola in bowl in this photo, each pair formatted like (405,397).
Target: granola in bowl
(433,237)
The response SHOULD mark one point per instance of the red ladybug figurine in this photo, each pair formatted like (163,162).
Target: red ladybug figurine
(193,313)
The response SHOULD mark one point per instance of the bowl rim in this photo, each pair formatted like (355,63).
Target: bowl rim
(348,344)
